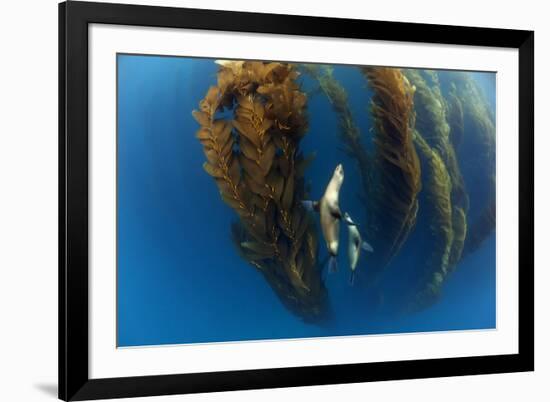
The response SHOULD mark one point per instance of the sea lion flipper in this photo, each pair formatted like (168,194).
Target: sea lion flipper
(335,212)
(367,247)
(312,206)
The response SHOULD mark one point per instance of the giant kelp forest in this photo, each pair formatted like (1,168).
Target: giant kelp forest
(411,181)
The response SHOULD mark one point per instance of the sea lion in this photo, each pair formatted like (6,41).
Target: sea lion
(330,214)
(355,244)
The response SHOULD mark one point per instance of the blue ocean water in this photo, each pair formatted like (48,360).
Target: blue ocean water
(180,279)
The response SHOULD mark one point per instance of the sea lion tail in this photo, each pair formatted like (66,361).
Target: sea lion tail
(352,278)
(346,218)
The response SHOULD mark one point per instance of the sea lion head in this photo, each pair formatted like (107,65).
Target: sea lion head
(338,173)
(333,188)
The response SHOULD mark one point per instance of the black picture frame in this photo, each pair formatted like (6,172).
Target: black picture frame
(74,381)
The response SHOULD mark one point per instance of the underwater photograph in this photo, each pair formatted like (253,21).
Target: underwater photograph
(267,200)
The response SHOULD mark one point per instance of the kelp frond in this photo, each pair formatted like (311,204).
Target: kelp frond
(395,162)
(430,110)
(460,228)
(255,162)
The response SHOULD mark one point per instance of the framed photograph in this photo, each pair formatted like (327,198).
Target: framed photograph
(255,201)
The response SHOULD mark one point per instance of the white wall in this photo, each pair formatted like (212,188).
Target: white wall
(28,199)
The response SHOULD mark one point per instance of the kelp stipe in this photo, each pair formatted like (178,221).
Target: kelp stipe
(255,162)
(395,164)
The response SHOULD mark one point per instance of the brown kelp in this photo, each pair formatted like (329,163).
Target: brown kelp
(432,121)
(455,117)
(483,226)
(479,131)
(460,228)
(349,133)
(445,198)
(395,164)
(429,105)
(447,201)
(255,161)
(437,186)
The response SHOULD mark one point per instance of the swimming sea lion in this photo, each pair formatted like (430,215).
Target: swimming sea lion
(355,244)
(330,214)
